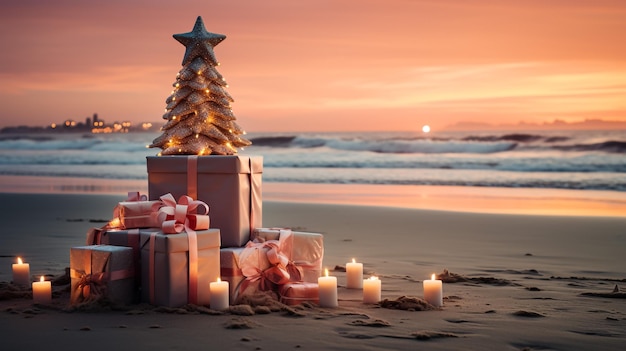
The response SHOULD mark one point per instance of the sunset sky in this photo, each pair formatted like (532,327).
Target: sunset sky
(323,65)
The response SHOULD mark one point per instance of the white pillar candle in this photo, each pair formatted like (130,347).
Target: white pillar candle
(42,291)
(371,290)
(21,273)
(354,275)
(433,291)
(327,290)
(219,291)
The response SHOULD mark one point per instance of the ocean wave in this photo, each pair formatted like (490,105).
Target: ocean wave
(611,146)
(472,144)
(391,146)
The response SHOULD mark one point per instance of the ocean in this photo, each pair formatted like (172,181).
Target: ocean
(535,159)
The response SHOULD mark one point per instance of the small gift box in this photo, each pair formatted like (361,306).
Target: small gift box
(176,269)
(102,271)
(260,266)
(307,250)
(296,293)
(136,214)
(230,270)
(230,185)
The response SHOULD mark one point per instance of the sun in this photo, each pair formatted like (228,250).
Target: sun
(426,128)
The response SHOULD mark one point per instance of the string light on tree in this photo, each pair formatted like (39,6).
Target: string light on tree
(199,117)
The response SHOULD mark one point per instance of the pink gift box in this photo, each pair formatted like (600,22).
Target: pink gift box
(230,185)
(298,292)
(167,267)
(230,270)
(258,267)
(308,250)
(136,214)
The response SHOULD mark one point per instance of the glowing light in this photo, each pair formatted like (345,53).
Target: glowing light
(426,128)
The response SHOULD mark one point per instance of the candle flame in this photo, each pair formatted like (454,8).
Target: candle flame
(218,279)
(432,277)
(326,271)
(19,260)
(41,279)
(353,260)
(373,278)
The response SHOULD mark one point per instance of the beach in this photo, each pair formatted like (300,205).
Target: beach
(514,281)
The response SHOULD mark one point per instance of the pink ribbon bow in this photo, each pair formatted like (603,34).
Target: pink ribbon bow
(281,269)
(182,216)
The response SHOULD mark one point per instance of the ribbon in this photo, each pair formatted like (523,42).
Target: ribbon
(256,201)
(178,217)
(192,176)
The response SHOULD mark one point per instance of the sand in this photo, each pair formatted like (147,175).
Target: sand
(511,282)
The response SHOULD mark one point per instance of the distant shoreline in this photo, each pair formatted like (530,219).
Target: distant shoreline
(524,201)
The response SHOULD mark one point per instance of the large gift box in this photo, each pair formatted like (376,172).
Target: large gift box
(230,185)
(307,249)
(176,269)
(259,266)
(102,272)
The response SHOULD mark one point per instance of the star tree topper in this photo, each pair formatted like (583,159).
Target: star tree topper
(199,42)
(200,120)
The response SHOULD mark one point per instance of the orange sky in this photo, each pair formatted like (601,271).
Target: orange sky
(323,65)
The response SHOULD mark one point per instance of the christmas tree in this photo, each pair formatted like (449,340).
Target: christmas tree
(199,118)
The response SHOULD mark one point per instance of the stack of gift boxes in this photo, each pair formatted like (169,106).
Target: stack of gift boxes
(202,222)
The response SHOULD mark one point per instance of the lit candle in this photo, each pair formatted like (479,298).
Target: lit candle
(433,291)
(371,290)
(219,295)
(21,273)
(42,291)
(354,275)
(327,290)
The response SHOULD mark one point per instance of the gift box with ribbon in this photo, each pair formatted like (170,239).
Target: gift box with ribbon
(295,293)
(135,212)
(307,249)
(176,269)
(230,185)
(259,266)
(102,272)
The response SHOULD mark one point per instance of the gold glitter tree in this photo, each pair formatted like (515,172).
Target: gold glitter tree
(199,118)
